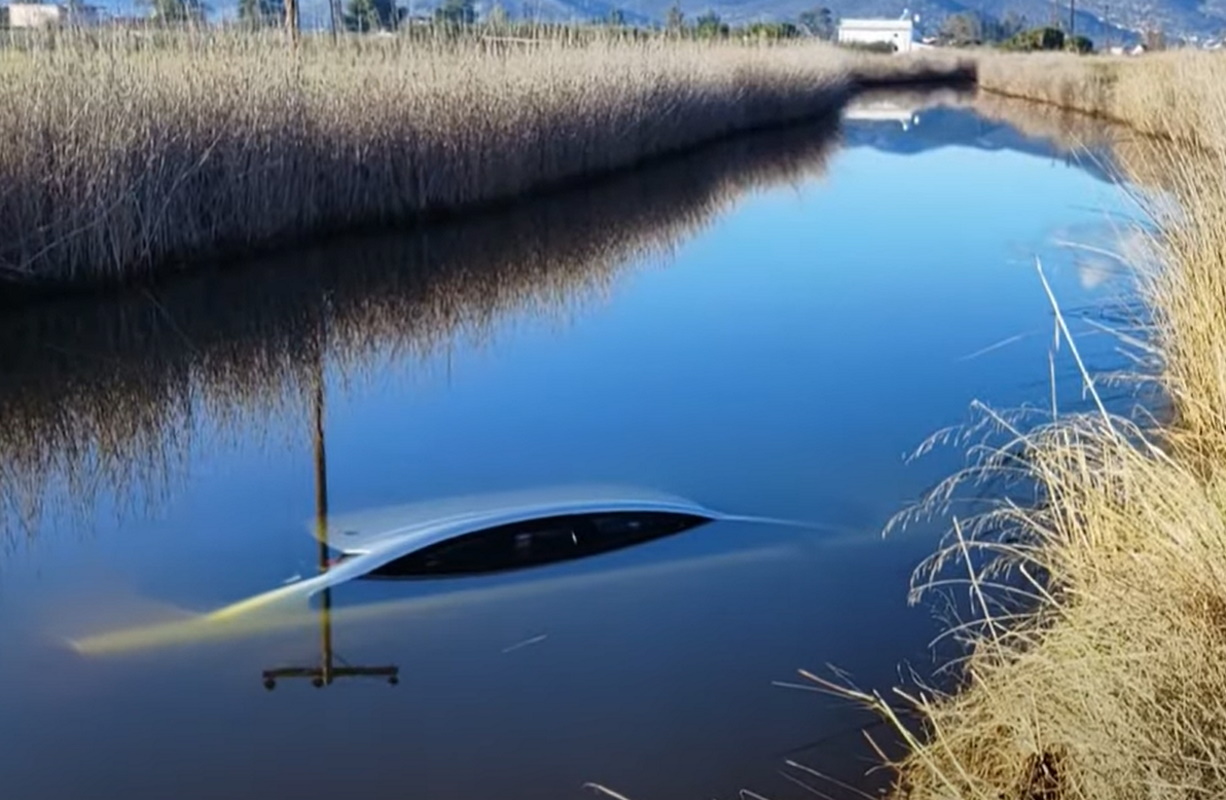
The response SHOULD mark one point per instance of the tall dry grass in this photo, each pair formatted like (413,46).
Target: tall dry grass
(1175,94)
(1096,663)
(1177,101)
(126,152)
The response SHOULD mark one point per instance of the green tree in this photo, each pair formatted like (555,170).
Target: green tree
(710,26)
(456,12)
(363,16)
(818,22)
(259,13)
(771,31)
(674,20)
(178,12)
(1036,39)
(1081,44)
(4,18)
(961,30)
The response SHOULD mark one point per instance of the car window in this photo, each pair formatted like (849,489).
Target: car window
(640,525)
(539,541)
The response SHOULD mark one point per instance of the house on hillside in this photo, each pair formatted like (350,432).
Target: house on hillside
(52,15)
(897,32)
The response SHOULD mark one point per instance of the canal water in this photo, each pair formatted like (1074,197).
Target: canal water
(765,327)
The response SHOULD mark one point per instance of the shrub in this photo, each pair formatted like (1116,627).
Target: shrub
(1036,39)
(1081,44)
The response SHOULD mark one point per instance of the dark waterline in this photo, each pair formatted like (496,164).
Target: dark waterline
(765,327)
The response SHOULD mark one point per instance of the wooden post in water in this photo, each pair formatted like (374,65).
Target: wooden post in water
(327,671)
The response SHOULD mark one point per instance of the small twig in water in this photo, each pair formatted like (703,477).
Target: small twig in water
(525,643)
(604,790)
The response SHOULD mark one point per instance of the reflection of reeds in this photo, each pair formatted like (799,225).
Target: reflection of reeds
(107,391)
(1068,131)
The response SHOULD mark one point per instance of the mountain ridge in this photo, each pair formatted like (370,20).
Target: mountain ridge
(1106,22)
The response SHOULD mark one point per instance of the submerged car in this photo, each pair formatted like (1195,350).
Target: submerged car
(464,536)
(494,533)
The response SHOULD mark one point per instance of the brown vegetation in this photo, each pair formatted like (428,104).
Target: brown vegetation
(126,152)
(1174,94)
(1097,652)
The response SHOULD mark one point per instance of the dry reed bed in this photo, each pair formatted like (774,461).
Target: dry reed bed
(125,153)
(1097,660)
(1176,94)
(107,394)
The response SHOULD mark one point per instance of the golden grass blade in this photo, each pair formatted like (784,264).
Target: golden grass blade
(1068,337)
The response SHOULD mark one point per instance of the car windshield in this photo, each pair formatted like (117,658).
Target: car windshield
(539,541)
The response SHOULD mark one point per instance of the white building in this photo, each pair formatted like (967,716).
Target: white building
(898,32)
(48,15)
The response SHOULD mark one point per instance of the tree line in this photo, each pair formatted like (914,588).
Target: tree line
(965,29)
(1012,32)
(363,16)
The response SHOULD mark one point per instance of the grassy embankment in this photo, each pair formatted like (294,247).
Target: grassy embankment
(1108,679)
(128,152)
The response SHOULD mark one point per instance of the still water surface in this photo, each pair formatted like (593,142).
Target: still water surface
(765,327)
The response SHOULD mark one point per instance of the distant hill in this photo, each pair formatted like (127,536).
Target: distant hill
(1104,21)
(1113,21)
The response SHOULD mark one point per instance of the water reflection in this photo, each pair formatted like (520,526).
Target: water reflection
(109,394)
(327,670)
(914,122)
(782,365)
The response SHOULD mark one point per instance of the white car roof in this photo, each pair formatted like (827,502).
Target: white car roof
(378,536)
(431,521)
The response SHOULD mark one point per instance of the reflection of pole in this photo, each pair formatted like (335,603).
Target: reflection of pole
(321,514)
(291,20)
(327,671)
(334,8)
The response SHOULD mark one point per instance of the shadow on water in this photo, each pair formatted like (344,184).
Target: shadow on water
(106,392)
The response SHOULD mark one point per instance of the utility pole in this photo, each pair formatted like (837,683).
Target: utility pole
(1072,21)
(291,20)
(334,6)
(326,672)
